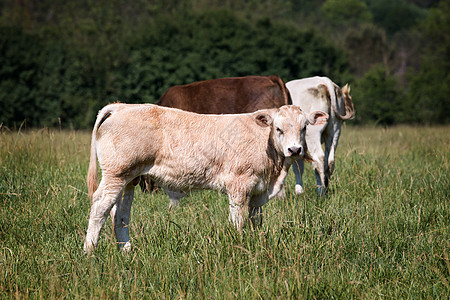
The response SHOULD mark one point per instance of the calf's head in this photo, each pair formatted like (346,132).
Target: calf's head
(288,126)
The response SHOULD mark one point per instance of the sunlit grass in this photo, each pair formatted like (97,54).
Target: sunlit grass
(383,232)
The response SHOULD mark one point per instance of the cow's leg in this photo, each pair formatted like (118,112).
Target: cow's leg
(121,219)
(255,209)
(298,167)
(174,197)
(329,159)
(107,195)
(313,141)
(331,143)
(239,209)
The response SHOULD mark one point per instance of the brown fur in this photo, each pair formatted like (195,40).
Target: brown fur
(228,95)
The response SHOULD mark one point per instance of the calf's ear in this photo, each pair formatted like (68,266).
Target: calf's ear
(317,117)
(263,119)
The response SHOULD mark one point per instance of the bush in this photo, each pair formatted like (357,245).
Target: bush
(430,87)
(218,44)
(346,11)
(378,98)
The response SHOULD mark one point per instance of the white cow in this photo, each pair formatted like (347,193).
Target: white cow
(246,156)
(320,93)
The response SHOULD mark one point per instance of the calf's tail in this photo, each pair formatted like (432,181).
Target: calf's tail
(92,177)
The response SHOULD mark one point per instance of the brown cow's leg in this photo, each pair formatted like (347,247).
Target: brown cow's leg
(147,184)
(174,197)
(255,209)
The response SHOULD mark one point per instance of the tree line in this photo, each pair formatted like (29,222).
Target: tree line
(61,62)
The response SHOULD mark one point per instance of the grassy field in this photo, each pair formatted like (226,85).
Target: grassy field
(382,233)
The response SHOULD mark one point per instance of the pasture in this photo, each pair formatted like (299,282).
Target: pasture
(383,231)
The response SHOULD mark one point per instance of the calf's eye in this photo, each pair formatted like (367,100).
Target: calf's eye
(279,130)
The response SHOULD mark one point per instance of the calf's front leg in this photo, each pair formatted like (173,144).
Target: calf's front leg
(239,210)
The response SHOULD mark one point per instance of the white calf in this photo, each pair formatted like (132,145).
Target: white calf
(246,156)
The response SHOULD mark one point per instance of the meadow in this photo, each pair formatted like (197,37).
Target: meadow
(381,233)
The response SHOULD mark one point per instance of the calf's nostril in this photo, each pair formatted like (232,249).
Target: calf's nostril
(295,150)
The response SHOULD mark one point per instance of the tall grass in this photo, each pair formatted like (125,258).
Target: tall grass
(383,231)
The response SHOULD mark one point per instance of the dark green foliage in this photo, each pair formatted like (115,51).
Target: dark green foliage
(19,54)
(395,15)
(41,82)
(378,98)
(346,11)
(431,86)
(73,80)
(218,44)
(61,62)
(367,46)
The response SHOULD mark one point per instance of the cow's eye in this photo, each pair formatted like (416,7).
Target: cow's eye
(279,130)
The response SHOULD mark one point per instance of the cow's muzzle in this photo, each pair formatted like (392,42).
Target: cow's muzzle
(296,151)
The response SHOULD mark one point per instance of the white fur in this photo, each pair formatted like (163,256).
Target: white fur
(331,100)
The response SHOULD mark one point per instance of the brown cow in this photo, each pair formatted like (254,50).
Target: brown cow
(228,95)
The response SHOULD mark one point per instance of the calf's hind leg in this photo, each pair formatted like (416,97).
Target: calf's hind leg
(121,218)
(107,195)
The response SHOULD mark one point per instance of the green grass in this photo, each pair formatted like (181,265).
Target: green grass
(383,232)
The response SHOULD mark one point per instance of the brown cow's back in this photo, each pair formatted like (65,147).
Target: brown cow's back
(228,95)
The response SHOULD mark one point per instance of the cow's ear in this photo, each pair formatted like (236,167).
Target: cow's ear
(263,119)
(317,117)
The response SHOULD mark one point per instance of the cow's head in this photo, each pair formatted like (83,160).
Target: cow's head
(288,126)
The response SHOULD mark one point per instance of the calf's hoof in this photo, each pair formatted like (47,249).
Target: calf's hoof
(281,194)
(88,249)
